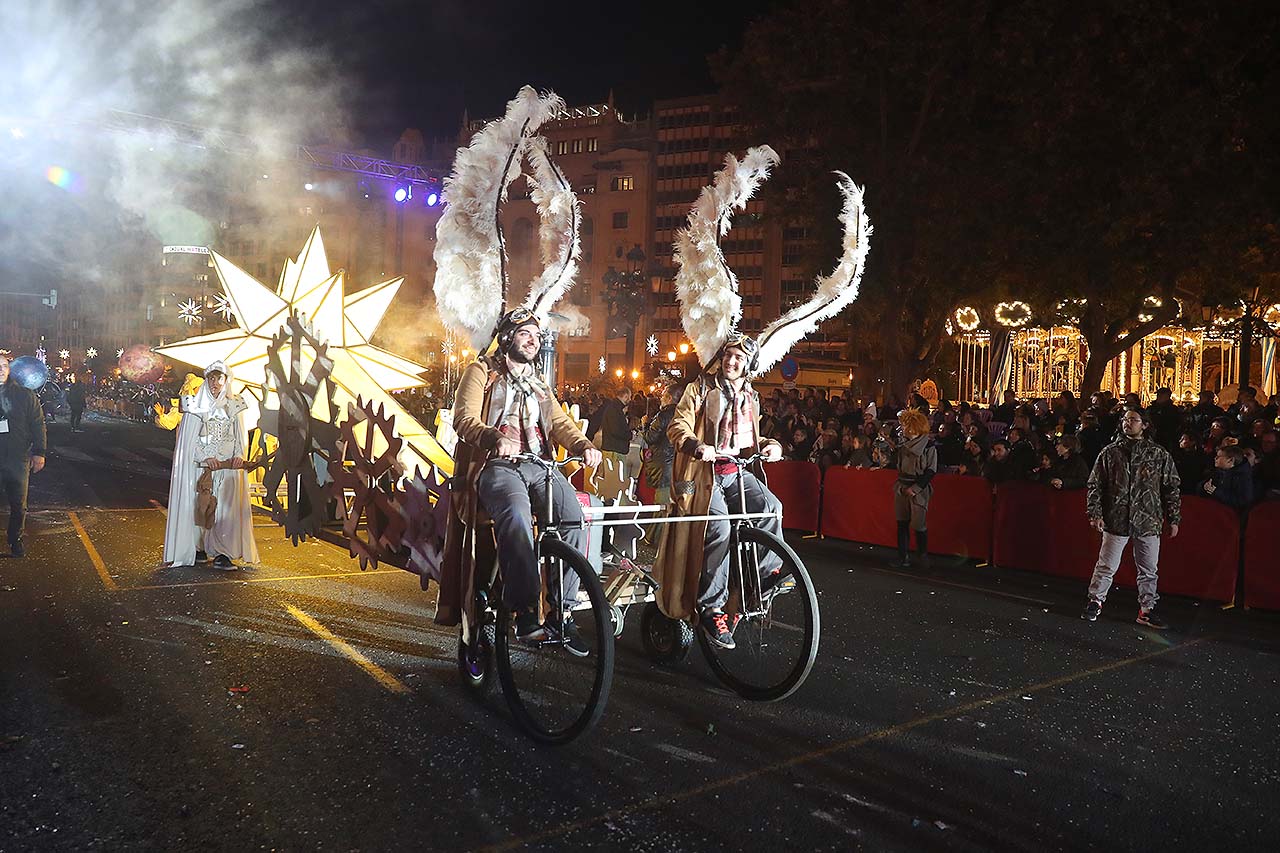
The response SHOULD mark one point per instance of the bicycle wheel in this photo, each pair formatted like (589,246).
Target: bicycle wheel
(554,694)
(776,642)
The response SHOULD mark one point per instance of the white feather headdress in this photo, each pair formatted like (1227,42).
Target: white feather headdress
(707,289)
(471,275)
(833,292)
(710,306)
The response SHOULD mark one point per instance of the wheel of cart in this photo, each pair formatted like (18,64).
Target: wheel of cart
(554,695)
(777,622)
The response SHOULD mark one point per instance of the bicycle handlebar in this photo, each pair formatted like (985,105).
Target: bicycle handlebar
(545,463)
(743,461)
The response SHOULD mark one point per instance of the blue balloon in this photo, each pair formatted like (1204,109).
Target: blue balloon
(30,372)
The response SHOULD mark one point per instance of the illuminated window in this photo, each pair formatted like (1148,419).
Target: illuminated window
(576,147)
(562,147)
(593,144)
(622,183)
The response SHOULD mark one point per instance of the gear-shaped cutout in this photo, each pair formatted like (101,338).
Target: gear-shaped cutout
(305,443)
(371,446)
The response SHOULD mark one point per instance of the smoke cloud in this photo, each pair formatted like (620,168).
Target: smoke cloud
(77,83)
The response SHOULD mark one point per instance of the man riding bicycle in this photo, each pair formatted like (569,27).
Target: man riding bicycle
(717,417)
(503,409)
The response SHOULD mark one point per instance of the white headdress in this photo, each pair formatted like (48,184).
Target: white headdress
(710,307)
(471,284)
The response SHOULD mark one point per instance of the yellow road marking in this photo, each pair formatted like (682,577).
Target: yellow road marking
(262,580)
(379,674)
(94,556)
(663,800)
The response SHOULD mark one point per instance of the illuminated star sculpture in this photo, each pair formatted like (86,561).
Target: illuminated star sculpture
(120,352)
(189,312)
(345,321)
(64,354)
(651,345)
(91,353)
(222,305)
(602,364)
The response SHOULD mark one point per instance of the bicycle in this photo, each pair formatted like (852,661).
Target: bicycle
(777,627)
(553,694)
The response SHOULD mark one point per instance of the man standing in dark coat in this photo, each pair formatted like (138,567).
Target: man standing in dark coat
(22,448)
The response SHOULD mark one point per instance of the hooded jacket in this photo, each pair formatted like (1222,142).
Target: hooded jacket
(1134,488)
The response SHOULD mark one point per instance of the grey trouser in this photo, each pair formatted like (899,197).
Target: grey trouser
(13,486)
(907,508)
(510,492)
(713,591)
(1146,554)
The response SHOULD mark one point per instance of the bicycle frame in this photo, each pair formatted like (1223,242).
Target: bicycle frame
(736,549)
(550,527)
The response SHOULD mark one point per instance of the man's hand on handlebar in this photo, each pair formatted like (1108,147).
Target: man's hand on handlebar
(507,447)
(706,453)
(592,457)
(771,452)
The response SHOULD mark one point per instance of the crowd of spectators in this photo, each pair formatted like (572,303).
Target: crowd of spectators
(1230,455)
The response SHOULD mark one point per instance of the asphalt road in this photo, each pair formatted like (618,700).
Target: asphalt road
(956,709)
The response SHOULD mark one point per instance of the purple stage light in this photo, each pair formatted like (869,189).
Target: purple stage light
(433,199)
(402,194)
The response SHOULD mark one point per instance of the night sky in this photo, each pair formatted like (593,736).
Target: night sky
(420,64)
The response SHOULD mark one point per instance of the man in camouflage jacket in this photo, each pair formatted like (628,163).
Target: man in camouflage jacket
(1133,491)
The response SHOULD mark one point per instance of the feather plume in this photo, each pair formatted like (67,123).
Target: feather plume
(833,292)
(558,229)
(470,283)
(707,288)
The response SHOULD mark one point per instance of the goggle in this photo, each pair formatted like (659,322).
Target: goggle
(520,316)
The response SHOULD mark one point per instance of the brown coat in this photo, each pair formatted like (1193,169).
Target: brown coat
(467,549)
(678,569)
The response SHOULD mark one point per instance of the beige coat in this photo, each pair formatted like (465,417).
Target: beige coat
(678,569)
(467,548)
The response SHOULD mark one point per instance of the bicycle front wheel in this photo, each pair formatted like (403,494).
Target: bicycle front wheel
(557,690)
(776,640)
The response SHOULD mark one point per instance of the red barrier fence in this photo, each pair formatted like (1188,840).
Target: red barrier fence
(1046,530)
(1262,557)
(799,486)
(858,505)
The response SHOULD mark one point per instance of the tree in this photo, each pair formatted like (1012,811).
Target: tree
(1141,135)
(1099,152)
(898,96)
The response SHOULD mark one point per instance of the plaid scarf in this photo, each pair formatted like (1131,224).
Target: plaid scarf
(523,397)
(735,430)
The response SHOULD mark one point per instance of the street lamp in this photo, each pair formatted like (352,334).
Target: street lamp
(618,373)
(635,374)
(671,355)
(684,349)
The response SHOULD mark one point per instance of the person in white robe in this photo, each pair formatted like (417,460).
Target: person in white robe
(212,439)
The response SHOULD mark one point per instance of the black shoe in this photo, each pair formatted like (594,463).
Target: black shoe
(529,628)
(223,563)
(573,642)
(1151,620)
(201,557)
(903,562)
(17,549)
(1091,610)
(777,584)
(716,626)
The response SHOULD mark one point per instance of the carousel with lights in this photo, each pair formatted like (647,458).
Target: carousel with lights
(1011,352)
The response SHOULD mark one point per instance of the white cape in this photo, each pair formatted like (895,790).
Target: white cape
(181,535)
(232,531)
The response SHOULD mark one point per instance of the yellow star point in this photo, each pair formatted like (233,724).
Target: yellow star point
(345,322)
